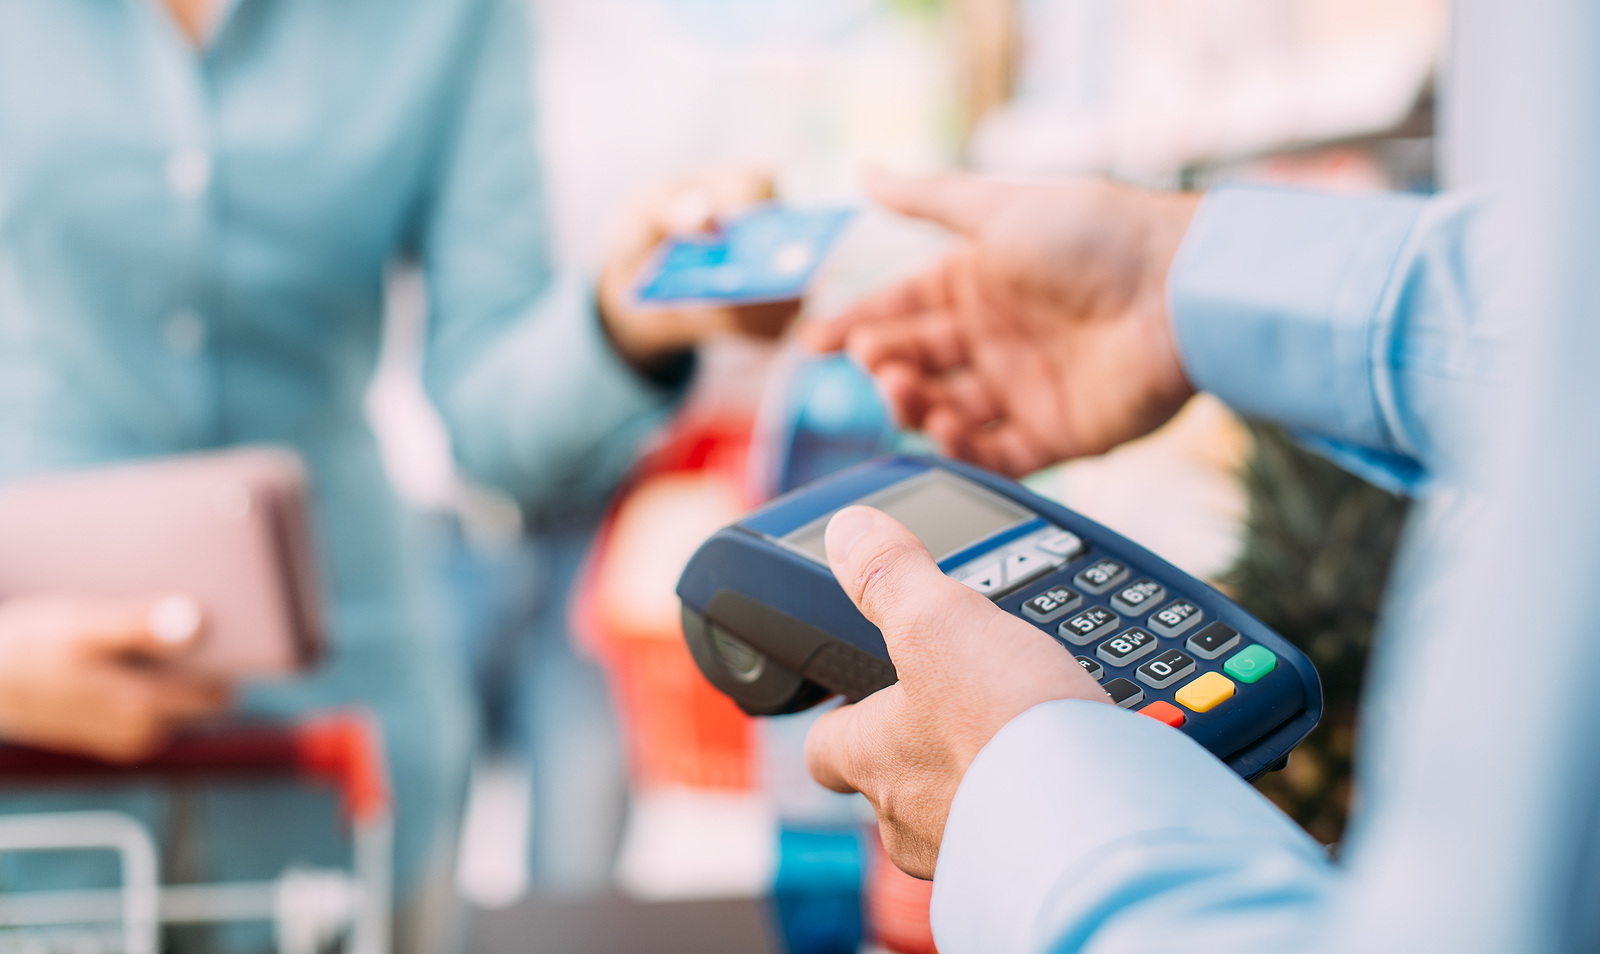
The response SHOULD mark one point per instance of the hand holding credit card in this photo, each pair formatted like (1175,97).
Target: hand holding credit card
(767,254)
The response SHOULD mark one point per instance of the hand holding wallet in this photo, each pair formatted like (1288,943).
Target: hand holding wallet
(230,529)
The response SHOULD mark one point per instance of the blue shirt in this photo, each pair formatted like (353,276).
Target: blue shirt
(193,247)
(1310,310)
(1371,326)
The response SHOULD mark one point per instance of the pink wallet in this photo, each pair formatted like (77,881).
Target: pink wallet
(230,528)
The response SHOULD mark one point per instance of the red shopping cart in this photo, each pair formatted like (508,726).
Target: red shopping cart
(310,909)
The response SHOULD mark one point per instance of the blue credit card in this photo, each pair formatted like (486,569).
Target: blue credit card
(767,254)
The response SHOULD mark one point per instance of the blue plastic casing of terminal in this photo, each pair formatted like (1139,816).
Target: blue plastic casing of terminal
(770,626)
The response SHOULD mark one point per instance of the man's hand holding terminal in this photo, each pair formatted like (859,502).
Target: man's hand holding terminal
(966,669)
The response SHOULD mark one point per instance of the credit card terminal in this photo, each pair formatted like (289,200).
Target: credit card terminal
(770,626)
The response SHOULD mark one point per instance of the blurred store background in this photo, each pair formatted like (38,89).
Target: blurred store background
(617,803)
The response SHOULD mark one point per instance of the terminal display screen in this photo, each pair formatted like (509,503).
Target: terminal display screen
(944,511)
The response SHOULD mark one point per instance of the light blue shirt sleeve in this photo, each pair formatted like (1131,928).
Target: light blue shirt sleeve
(537,401)
(1078,815)
(1356,322)
(1477,823)
(1348,319)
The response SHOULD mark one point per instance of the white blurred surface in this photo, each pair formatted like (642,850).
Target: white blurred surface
(1144,87)
(686,844)
(1176,491)
(492,860)
(632,92)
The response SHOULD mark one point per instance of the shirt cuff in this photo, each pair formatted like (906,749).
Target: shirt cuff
(1276,296)
(1059,813)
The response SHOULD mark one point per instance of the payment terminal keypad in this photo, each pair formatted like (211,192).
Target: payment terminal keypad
(1052,603)
(1124,693)
(1251,663)
(1165,712)
(1101,575)
(1213,641)
(1166,669)
(1138,598)
(1212,689)
(1085,627)
(1151,649)
(1176,617)
(1128,645)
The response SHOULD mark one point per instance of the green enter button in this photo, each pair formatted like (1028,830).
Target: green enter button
(1251,663)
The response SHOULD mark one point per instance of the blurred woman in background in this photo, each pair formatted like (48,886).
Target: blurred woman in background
(199,201)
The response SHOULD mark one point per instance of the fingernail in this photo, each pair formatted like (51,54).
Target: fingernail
(174,619)
(846,527)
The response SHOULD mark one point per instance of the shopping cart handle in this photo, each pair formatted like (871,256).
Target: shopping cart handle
(344,750)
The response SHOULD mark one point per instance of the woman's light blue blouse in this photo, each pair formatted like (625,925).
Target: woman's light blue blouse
(193,247)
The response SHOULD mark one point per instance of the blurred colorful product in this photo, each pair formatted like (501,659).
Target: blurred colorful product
(898,906)
(830,418)
(679,730)
(817,895)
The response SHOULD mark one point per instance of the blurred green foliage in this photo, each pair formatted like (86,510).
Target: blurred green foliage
(917,8)
(1318,544)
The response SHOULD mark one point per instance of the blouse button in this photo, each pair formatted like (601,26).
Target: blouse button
(188,173)
(185,333)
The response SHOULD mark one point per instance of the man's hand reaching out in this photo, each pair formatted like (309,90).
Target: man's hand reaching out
(966,668)
(1043,336)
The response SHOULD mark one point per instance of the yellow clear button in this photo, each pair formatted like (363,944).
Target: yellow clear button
(1207,692)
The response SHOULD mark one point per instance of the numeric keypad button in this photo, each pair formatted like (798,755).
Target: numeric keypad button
(1137,598)
(1125,647)
(1053,603)
(1101,575)
(1213,641)
(1089,625)
(1091,667)
(1166,669)
(1176,618)
(1124,693)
